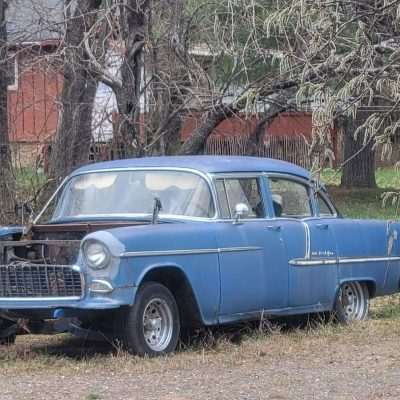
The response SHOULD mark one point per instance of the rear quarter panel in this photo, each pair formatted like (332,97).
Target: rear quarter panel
(362,239)
(393,272)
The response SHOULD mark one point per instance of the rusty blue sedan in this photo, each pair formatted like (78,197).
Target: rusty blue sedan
(141,249)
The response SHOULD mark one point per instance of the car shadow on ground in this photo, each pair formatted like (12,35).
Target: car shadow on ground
(74,348)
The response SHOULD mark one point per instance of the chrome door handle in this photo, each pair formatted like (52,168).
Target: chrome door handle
(275,228)
(322,226)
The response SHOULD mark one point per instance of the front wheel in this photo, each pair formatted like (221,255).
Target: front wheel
(151,326)
(352,302)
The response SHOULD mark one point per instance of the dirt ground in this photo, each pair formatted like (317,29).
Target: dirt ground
(357,362)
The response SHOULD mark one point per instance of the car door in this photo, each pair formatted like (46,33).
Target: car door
(251,251)
(307,238)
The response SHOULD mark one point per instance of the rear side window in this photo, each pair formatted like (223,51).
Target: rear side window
(290,198)
(232,191)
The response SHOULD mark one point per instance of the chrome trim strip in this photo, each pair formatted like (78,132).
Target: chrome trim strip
(303,262)
(238,175)
(108,287)
(54,299)
(349,260)
(77,268)
(307,253)
(187,251)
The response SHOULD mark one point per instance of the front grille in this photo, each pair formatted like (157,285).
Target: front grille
(27,280)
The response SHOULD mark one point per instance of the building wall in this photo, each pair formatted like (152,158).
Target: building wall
(28,154)
(286,124)
(33,111)
(33,104)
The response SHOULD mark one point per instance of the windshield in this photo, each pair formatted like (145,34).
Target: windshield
(130,193)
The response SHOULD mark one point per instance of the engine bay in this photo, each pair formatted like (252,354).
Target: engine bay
(58,252)
(52,244)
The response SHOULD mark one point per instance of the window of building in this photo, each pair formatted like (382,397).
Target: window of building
(12,72)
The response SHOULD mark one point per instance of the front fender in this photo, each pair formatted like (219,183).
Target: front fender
(10,232)
(190,248)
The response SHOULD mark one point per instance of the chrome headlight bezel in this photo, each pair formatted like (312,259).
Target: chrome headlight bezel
(96,254)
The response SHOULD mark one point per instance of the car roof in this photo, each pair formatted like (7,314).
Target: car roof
(204,164)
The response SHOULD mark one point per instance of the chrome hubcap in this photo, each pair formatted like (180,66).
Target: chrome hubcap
(353,301)
(157,324)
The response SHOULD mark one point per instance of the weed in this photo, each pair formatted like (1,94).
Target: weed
(93,396)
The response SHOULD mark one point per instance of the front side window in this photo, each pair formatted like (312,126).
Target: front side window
(232,191)
(290,198)
(130,193)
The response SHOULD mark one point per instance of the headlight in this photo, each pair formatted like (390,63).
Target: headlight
(96,254)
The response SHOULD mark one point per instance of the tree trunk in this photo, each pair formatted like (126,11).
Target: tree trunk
(257,136)
(7,184)
(132,26)
(73,138)
(359,159)
(168,79)
(209,121)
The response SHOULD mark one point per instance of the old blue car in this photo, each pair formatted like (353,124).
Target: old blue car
(143,248)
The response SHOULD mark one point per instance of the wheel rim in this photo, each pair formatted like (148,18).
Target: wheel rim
(158,324)
(353,301)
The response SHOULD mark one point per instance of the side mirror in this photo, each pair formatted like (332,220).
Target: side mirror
(241,211)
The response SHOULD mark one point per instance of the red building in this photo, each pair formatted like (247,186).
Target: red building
(34,82)
(33,94)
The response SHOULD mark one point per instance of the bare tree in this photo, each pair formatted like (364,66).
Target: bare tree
(74,134)
(7,185)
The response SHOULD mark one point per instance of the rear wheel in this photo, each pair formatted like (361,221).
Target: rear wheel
(151,326)
(352,302)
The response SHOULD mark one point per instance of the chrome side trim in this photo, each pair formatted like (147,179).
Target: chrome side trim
(36,299)
(349,260)
(187,251)
(307,253)
(303,262)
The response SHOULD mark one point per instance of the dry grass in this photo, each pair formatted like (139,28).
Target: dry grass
(66,354)
(290,361)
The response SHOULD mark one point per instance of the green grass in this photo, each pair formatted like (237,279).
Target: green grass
(386,178)
(92,396)
(364,203)
(28,182)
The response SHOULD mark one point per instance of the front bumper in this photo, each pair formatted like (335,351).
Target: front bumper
(118,298)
